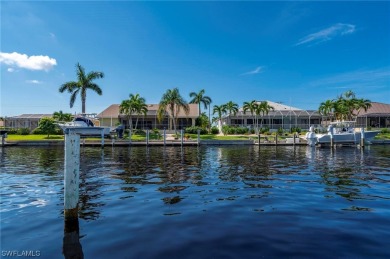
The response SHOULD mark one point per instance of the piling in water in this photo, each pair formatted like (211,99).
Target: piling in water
(71,174)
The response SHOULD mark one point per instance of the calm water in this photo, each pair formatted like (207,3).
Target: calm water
(206,202)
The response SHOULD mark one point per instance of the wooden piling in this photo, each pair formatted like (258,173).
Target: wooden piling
(362,137)
(198,139)
(258,138)
(276,139)
(165,137)
(147,137)
(102,138)
(181,136)
(71,174)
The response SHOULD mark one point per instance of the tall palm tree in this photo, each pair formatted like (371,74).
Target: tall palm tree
(60,116)
(364,104)
(172,102)
(219,110)
(265,108)
(134,105)
(127,108)
(200,98)
(231,108)
(83,83)
(250,106)
(140,106)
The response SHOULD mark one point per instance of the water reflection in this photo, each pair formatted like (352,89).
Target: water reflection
(71,246)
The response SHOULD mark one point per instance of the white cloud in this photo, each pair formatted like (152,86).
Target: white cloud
(52,35)
(338,29)
(23,61)
(10,69)
(33,82)
(257,70)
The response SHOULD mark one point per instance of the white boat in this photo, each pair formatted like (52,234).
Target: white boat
(342,132)
(84,126)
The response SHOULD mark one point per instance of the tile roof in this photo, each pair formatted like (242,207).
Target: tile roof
(376,110)
(113,111)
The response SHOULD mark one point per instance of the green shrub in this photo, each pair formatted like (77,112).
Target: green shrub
(23,131)
(12,131)
(280,131)
(214,130)
(194,130)
(37,131)
(295,129)
(264,130)
(385,131)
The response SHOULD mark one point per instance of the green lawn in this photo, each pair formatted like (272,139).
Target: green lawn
(33,137)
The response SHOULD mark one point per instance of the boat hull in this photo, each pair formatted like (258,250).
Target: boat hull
(347,138)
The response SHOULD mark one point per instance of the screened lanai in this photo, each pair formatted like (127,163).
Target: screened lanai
(282,116)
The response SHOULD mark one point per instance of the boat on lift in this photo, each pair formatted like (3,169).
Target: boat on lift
(86,123)
(342,132)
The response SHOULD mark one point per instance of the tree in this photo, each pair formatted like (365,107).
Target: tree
(139,104)
(264,108)
(134,105)
(199,98)
(250,106)
(60,116)
(202,121)
(172,102)
(83,83)
(344,106)
(126,108)
(219,110)
(47,125)
(231,108)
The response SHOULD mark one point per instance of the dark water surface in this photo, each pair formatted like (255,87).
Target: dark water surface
(200,202)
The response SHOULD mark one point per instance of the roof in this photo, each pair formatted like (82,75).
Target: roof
(113,111)
(376,109)
(279,107)
(30,116)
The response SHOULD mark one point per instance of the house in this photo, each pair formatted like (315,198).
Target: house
(111,117)
(378,115)
(282,116)
(30,121)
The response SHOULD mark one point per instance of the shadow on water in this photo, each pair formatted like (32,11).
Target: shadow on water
(71,246)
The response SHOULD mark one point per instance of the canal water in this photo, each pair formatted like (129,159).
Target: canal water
(199,202)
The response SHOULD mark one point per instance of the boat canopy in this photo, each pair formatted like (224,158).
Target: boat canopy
(85,120)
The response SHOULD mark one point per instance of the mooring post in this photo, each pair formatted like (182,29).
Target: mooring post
(276,139)
(71,174)
(198,139)
(165,137)
(181,136)
(331,138)
(147,137)
(362,137)
(130,136)
(258,138)
(3,136)
(102,136)
(294,139)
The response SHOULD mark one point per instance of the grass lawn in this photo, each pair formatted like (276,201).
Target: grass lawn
(33,137)
(383,136)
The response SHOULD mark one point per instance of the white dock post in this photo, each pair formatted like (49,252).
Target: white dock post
(362,137)
(331,137)
(165,137)
(147,137)
(198,140)
(71,174)
(181,136)
(3,139)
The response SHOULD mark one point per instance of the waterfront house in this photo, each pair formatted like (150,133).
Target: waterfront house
(111,117)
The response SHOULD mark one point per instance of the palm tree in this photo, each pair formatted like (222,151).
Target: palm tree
(140,106)
(219,110)
(231,107)
(250,106)
(126,108)
(265,108)
(199,98)
(364,104)
(84,82)
(134,105)
(172,102)
(60,116)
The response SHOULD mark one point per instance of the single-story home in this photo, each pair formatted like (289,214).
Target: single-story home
(30,121)
(111,117)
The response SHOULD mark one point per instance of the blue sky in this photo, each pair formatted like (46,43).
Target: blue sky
(298,53)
